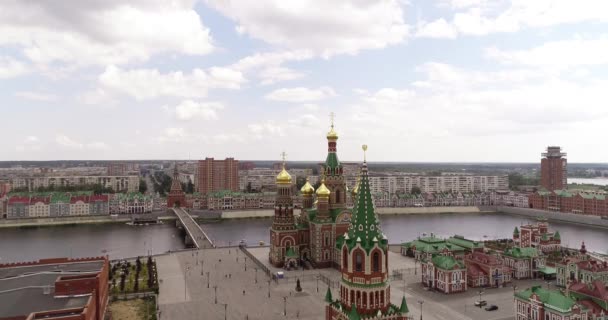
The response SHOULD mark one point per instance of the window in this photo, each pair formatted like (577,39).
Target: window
(358,262)
(345,258)
(376,262)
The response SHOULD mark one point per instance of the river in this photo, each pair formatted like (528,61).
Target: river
(595,181)
(121,240)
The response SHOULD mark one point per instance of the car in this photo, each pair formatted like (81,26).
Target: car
(480,303)
(492,308)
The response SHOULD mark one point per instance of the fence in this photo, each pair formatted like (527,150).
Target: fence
(256,261)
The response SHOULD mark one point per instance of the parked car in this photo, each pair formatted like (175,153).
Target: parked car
(480,303)
(492,308)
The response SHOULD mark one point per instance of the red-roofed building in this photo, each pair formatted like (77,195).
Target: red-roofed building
(592,295)
(99,204)
(486,270)
(39,206)
(79,205)
(18,207)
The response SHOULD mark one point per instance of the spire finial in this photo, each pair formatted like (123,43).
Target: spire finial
(332,116)
(364,147)
(283,156)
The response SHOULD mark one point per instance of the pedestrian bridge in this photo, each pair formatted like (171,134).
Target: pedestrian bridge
(195,236)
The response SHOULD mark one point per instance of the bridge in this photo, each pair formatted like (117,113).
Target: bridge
(195,236)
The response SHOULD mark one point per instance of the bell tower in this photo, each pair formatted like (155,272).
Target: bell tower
(333,171)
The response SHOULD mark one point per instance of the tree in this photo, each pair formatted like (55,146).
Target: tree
(248,188)
(416,190)
(137,265)
(298,287)
(300,181)
(190,187)
(143,186)
(123,277)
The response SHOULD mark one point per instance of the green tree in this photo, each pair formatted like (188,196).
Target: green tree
(248,188)
(416,190)
(300,181)
(143,186)
(190,187)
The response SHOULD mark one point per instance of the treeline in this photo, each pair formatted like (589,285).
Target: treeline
(96,188)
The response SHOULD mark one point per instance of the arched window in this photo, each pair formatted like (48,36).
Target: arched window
(358,262)
(376,262)
(345,258)
(382,297)
(338,196)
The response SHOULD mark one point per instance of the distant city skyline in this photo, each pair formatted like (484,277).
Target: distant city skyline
(417,81)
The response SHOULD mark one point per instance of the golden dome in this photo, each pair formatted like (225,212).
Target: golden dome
(323,192)
(283,177)
(307,188)
(332,134)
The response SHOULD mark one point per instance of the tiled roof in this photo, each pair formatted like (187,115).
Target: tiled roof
(447,263)
(550,298)
(521,252)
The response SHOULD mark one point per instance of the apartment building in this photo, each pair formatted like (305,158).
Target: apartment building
(117,183)
(216,175)
(393,183)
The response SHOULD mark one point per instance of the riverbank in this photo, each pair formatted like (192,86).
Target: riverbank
(59,221)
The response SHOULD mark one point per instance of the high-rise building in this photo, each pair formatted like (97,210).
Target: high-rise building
(553,169)
(117,169)
(216,175)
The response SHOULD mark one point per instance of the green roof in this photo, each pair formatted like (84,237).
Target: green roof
(465,243)
(328,297)
(60,198)
(522,252)
(332,163)
(563,193)
(446,263)
(354,315)
(404,309)
(552,299)
(291,253)
(433,244)
(365,226)
(547,270)
(556,236)
(516,231)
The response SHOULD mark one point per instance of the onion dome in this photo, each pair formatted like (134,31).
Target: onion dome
(323,192)
(307,189)
(332,134)
(283,177)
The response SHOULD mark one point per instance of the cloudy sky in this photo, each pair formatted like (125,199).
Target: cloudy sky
(416,80)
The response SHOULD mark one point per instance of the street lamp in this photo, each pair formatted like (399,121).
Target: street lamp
(245,263)
(256,275)
(285,306)
(480,293)
(207,279)
(185,284)
(317,283)
(215,288)
(225,311)
(514,288)
(268,288)
(420,302)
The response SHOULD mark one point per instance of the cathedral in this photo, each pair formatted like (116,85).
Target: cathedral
(328,234)
(310,239)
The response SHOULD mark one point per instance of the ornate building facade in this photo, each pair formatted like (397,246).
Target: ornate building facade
(365,290)
(177,197)
(310,239)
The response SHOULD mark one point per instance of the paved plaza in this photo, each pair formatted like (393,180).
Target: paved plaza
(189,281)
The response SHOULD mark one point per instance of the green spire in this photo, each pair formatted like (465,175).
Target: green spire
(364,226)
(556,236)
(354,315)
(328,297)
(404,309)
(516,231)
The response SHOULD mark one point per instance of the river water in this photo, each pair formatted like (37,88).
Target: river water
(121,240)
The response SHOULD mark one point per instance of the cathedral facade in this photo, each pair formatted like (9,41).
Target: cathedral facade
(309,240)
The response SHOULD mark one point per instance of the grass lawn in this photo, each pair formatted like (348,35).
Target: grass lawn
(133,310)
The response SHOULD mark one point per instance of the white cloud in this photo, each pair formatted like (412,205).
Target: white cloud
(144,84)
(36,96)
(325,27)
(69,143)
(174,134)
(31,139)
(10,68)
(562,54)
(300,94)
(102,32)
(479,18)
(189,110)
(436,29)
(305,120)
(265,129)
(277,74)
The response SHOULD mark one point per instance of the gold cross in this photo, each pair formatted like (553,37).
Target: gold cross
(332,116)
(364,147)
(283,156)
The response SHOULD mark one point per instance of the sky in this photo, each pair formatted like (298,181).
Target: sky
(415,80)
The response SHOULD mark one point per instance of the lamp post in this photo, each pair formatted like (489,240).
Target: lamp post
(215,289)
(317,283)
(225,311)
(268,288)
(285,306)
(480,292)
(207,279)
(256,275)
(185,283)
(420,302)
(245,263)
(514,288)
